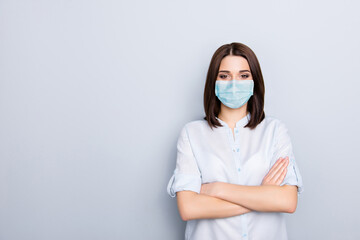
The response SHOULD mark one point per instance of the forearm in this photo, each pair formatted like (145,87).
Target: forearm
(265,198)
(200,206)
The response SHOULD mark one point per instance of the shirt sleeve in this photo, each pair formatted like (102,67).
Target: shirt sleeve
(283,148)
(186,175)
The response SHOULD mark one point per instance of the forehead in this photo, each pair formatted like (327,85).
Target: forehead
(234,63)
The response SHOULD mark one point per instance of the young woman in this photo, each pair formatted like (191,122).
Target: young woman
(235,174)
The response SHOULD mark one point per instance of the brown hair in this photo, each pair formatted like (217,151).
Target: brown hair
(255,104)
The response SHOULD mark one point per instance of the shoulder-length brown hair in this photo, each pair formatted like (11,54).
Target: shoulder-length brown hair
(255,104)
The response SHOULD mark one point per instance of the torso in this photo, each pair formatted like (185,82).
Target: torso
(240,156)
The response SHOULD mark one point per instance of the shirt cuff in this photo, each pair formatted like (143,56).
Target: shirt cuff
(182,181)
(293,177)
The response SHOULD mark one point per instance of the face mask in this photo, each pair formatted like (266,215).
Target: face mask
(234,93)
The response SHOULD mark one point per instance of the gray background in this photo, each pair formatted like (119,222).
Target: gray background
(93,95)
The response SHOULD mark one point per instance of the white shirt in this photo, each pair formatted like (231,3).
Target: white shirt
(205,155)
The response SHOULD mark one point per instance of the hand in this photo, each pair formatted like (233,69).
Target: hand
(210,189)
(277,173)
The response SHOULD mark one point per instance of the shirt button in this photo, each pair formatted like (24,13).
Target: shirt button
(237,150)
(244,235)
(238,169)
(236,131)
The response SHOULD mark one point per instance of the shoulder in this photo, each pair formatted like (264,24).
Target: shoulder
(195,125)
(272,121)
(278,128)
(273,124)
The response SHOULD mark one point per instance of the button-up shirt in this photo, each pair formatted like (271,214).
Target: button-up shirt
(244,157)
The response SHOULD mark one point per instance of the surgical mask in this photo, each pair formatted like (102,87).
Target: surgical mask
(234,93)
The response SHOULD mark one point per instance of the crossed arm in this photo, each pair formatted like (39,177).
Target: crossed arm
(220,199)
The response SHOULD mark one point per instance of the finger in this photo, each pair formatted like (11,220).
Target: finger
(279,161)
(282,175)
(278,168)
(281,178)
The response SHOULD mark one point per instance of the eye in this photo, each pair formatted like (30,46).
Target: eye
(223,76)
(244,75)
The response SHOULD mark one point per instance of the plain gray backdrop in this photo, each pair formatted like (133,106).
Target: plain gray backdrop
(93,95)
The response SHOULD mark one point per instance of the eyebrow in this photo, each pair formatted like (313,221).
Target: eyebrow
(241,71)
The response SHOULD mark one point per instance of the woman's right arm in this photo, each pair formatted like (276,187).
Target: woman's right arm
(192,205)
(187,177)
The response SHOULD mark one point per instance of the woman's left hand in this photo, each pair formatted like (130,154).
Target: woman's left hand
(211,189)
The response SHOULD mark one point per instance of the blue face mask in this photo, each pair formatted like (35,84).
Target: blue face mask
(234,93)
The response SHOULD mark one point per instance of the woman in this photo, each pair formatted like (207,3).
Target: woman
(235,173)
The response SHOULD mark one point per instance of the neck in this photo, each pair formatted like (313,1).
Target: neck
(231,116)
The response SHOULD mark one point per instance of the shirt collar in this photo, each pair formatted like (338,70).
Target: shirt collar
(241,123)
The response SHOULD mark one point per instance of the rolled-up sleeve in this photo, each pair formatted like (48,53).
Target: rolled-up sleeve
(282,148)
(186,175)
